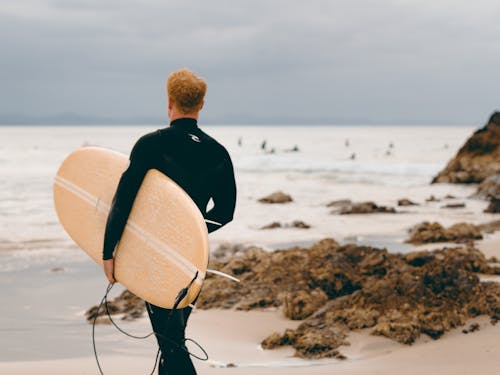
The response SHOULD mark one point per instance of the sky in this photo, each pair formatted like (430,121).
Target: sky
(265,61)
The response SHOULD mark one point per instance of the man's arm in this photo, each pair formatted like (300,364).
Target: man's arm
(124,197)
(224,197)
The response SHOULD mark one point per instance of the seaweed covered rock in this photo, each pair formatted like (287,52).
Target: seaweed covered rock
(335,289)
(440,292)
(478,158)
(267,278)
(427,232)
(300,304)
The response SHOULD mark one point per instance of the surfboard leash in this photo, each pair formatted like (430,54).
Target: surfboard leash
(180,296)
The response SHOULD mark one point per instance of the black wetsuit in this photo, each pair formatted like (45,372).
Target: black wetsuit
(203,168)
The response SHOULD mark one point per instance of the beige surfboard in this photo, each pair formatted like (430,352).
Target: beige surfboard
(165,241)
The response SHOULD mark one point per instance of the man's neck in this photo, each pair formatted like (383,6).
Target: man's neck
(176,116)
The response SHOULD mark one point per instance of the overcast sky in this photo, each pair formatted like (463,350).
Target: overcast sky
(297,61)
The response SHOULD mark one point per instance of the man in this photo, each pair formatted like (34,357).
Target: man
(203,168)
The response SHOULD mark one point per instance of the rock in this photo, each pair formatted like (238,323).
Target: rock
(273,225)
(57,269)
(419,258)
(454,205)
(402,304)
(406,202)
(365,208)
(126,303)
(404,333)
(298,305)
(432,198)
(434,232)
(340,288)
(494,206)
(294,224)
(489,188)
(299,224)
(478,158)
(276,197)
(276,340)
(449,196)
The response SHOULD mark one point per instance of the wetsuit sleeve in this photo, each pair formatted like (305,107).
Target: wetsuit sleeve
(224,197)
(124,197)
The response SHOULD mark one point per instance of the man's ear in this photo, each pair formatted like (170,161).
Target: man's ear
(202,103)
(170,104)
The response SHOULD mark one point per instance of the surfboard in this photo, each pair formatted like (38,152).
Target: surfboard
(165,241)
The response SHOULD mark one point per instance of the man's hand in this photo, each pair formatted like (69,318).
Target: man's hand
(109,268)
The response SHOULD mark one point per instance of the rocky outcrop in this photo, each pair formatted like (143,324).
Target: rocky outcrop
(427,232)
(335,289)
(478,158)
(425,293)
(340,288)
(276,197)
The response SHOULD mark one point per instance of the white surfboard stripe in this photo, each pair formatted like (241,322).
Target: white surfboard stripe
(182,263)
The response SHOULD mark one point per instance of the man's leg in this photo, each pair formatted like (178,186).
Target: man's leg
(174,359)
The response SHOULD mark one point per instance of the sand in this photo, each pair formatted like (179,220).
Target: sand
(233,337)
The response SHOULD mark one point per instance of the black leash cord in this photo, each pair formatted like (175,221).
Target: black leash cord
(178,299)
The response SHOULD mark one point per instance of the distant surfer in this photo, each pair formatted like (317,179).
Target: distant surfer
(203,168)
(293,149)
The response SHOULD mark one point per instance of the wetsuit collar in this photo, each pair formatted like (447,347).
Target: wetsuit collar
(184,123)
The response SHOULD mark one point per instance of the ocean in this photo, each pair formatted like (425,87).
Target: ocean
(380,163)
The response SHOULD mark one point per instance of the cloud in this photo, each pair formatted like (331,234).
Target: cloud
(383,60)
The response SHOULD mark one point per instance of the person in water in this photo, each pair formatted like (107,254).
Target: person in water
(198,164)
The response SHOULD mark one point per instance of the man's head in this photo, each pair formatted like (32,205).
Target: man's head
(186,92)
